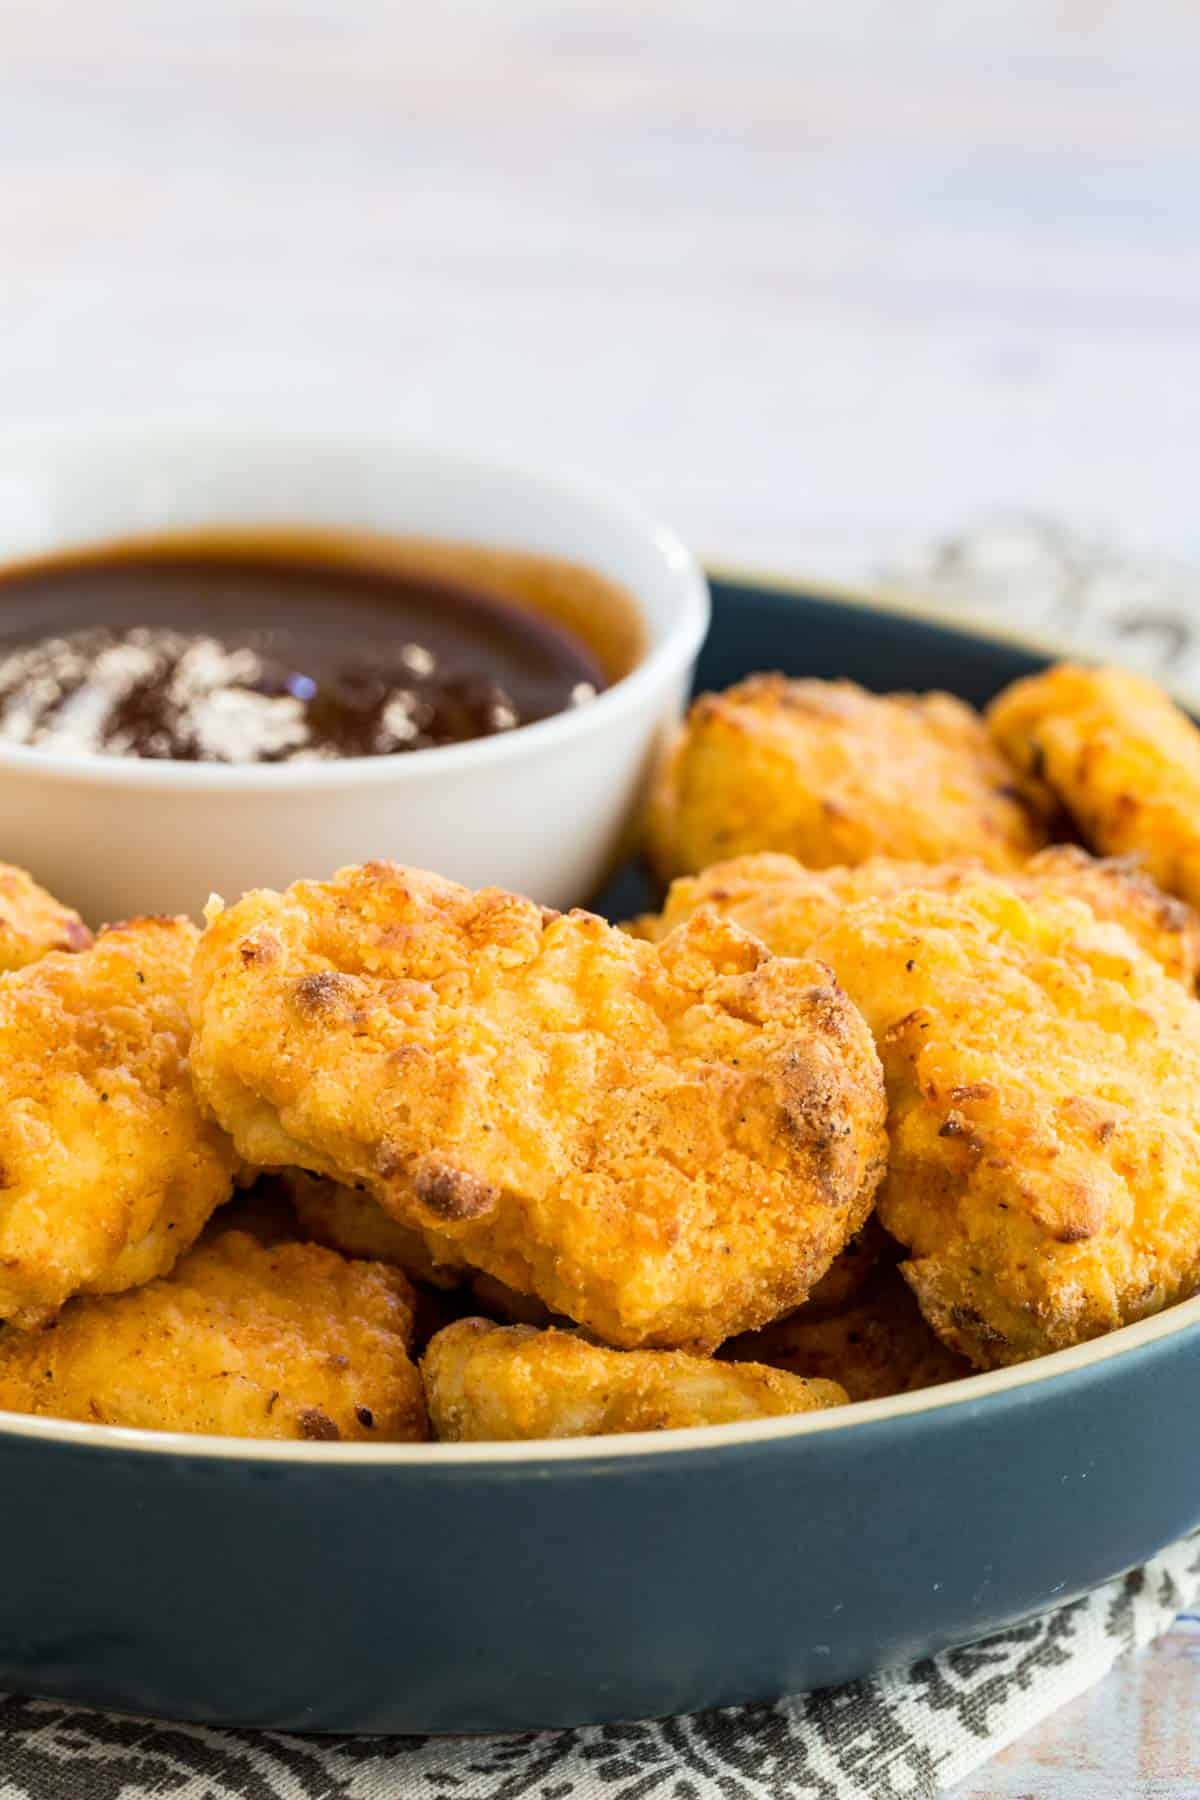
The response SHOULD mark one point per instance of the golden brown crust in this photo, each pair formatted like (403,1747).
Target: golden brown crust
(108,1170)
(242,1340)
(1044,1080)
(504,1306)
(781,900)
(829,773)
(1119,889)
(1120,756)
(869,1252)
(33,922)
(876,1345)
(666,1144)
(351,1222)
(355,1225)
(490,1383)
(788,906)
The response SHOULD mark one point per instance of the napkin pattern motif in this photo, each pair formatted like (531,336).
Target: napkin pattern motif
(1042,576)
(903,1736)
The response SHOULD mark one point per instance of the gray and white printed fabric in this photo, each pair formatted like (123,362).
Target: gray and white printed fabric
(907,1735)
(1068,586)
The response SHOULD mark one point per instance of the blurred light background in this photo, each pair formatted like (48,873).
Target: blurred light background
(816,281)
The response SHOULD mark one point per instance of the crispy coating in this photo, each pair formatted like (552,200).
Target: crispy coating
(875,1346)
(489,1383)
(1119,889)
(243,1340)
(33,922)
(1044,1083)
(108,1169)
(788,906)
(869,1252)
(830,773)
(780,899)
(665,1143)
(505,1306)
(1120,756)
(350,1221)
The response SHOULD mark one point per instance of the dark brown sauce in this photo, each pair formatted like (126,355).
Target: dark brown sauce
(270,650)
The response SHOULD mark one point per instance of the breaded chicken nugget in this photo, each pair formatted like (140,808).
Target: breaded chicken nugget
(242,1340)
(348,1220)
(877,1345)
(505,1306)
(869,1252)
(1044,1080)
(33,921)
(490,1383)
(831,774)
(781,900)
(1120,756)
(788,905)
(665,1143)
(1119,889)
(108,1169)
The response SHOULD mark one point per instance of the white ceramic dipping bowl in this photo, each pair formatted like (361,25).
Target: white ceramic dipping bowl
(542,809)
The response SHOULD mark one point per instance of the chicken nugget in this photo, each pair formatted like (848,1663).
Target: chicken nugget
(493,1383)
(788,905)
(33,921)
(353,1223)
(1120,756)
(503,1305)
(242,1340)
(348,1220)
(833,774)
(108,1169)
(1043,1074)
(1118,888)
(869,1252)
(876,1345)
(781,900)
(665,1143)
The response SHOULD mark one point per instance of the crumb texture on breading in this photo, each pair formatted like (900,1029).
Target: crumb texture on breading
(108,1168)
(829,773)
(869,1252)
(241,1340)
(1120,756)
(33,922)
(348,1220)
(666,1143)
(1044,1082)
(873,1345)
(1121,890)
(788,905)
(490,1383)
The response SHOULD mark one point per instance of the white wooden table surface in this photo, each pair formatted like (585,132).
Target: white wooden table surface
(815,281)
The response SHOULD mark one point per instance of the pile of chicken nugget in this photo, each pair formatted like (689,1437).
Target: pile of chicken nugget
(902,1082)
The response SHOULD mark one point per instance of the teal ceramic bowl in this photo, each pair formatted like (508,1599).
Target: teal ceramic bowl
(471,1588)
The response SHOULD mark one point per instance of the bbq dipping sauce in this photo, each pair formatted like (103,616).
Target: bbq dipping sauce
(298,646)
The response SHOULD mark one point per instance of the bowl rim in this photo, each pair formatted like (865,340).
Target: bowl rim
(615,1452)
(670,649)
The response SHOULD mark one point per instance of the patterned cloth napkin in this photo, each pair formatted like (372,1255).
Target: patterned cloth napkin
(908,1735)
(1038,576)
